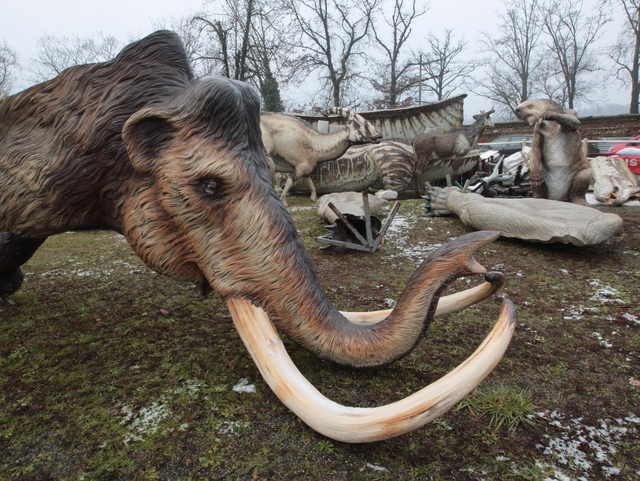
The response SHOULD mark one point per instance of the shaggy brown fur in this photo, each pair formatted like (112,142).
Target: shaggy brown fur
(61,154)
(178,166)
(559,168)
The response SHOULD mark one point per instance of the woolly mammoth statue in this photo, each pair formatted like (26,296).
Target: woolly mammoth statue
(177,166)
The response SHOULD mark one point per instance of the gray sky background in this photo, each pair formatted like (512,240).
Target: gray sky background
(22,22)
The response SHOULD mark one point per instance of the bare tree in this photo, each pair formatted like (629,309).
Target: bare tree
(512,57)
(230,32)
(197,45)
(331,36)
(626,51)
(8,61)
(572,37)
(443,73)
(397,76)
(56,54)
(244,42)
(270,52)
(547,79)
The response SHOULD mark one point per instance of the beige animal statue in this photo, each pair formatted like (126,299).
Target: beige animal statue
(431,148)
(296,147)
(614,182)
(349,203)
(559,169)
(351,206)
(534,220)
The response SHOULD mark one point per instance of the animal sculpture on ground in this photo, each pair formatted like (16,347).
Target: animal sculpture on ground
(614,182)
(432,149)
(535,220)
(386,165)
(351,206)
(177,165)
(559,169)
(296,147)
(349,203)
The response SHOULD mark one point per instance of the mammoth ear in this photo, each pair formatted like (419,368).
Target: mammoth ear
(146,133)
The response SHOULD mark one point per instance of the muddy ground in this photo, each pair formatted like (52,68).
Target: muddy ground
(110,371)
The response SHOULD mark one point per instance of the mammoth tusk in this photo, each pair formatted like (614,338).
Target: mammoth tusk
(359,425)
(446,304)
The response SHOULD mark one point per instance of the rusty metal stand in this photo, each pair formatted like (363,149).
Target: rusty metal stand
(366,245)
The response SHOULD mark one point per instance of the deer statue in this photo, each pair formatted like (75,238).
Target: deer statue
(296,147)
(429,147)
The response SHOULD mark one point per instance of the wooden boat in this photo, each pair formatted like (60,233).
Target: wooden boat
(406,122)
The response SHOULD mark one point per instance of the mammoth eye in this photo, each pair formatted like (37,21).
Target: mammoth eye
(210,186)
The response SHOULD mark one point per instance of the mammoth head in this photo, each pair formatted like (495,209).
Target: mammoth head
(203,208)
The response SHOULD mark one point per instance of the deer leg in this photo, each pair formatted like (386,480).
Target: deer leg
(312,188)
(285,189)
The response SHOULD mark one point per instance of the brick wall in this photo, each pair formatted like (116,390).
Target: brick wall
(592,127)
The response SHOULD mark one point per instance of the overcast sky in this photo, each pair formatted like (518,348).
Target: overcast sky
(22,22)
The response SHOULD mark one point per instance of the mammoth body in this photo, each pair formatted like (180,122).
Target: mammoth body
(559,168)
(178,167)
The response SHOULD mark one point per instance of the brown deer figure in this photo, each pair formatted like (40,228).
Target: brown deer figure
(431,148)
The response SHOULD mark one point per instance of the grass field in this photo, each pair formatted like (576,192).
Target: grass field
(110,371)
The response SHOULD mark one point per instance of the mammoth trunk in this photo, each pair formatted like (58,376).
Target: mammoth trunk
(281,280)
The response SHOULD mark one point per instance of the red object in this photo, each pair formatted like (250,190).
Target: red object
(629,151)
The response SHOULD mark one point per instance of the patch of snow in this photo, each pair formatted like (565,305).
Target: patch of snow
(148,419)
(396,236)
(609,471)
(244,386)
(576,312)
(631,317)
(563,271)
(605,294)
(602,341)
(190,387)
(231,427)
(375,467)
(301,207)
(145,421)
(580,447)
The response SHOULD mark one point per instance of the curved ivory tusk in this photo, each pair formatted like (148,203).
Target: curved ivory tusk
(359,425)
(446,304)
